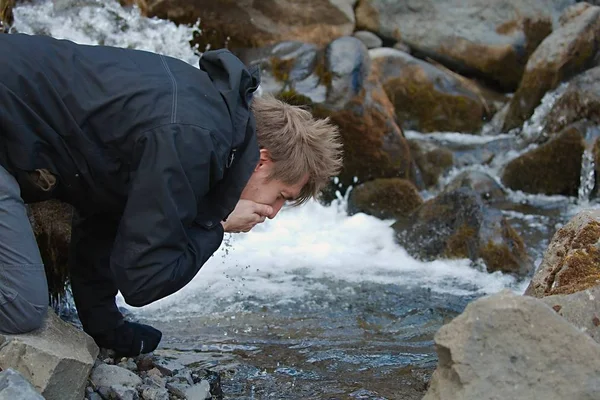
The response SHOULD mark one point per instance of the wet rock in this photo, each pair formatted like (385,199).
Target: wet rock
(428,98)
(114,379)
(370,39)
(266,21)
(432,160)
(347,61)
(568,51)
(178,389)
(579,102)
(582,309)
(571,262)
(200,391)
(51,223)
(468,36)
(482,183)
(552,168)
(385,198)
(457,224)
(56,359)
(14,386)
(507,346)
(168,366)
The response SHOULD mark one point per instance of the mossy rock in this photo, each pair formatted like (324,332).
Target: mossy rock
(553,168)
(568,51)
(482,183)
(572,261)
(385,198)
(428,98)
(457,224)
(580,101)
(51,223)
(432,161)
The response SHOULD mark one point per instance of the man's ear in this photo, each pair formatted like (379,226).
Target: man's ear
(264,159)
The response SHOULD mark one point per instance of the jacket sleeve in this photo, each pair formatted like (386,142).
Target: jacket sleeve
(159,248)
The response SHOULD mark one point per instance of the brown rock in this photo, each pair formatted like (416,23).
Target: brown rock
(433,161)
(429,98)
(579,101)
(385,198)
(571,262)
(563,54)
(468,36)
(248,23)
(552,168)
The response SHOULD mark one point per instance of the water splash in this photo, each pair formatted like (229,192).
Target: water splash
(534,128)
(587,179)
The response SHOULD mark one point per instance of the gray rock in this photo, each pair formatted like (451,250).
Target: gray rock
(13,386)
(120,392)
(370,39)
(565,53)
(582,309)
(56,359)
(200,391)
(570,262)
(467,35)
(128,364)
(168,367)
(178,389)
(347,60)
(154,393)
(108,376)
(482,183)
(507,346)
(94,396)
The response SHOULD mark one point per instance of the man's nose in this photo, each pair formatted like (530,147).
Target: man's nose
(276,207)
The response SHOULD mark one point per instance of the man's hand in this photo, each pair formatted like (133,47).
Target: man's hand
(246,215)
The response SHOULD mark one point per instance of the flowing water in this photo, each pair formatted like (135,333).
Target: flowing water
(317,304)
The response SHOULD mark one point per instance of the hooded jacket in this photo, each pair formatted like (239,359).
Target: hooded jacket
(165,145)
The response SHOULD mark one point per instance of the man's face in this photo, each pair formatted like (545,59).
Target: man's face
(270,192)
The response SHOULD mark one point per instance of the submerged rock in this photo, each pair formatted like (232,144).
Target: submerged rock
(14,386)
(568,51)
(507,346)
(457,224)
(56,359)
(265,22)
(428,98)
(468,36)
(385,198)
(432,160)
(552,168)
(571,262)
(482,183)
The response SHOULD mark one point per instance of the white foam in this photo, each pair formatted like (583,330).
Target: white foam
(280,260)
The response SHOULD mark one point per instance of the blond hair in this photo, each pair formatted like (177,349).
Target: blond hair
(299,144)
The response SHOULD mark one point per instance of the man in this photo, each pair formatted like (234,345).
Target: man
(159,159)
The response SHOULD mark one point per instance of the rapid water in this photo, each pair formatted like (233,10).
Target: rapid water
(315,303)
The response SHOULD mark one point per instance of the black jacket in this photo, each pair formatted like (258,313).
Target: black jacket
(167,145)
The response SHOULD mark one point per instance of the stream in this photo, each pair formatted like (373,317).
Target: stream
(317,304)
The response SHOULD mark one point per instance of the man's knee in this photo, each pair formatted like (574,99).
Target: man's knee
(21,317)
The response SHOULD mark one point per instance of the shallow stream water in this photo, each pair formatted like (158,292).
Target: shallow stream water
(315,304)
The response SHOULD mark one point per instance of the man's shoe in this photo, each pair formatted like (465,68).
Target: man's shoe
(130,339)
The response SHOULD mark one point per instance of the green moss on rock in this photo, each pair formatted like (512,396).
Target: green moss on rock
(553,168)
(385,198)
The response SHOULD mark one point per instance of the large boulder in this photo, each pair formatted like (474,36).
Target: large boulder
(385,198)
(457,224)
(468,36)
(552,168)
(582,309)
(580,101)
(571,262)
(568,51)
(248,23)
(56,359)
(428,98)
(507,346)
(51,223)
